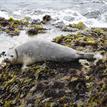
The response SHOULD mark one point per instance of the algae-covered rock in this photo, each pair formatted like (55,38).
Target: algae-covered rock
(11,19)
(79,25)
(34,29)
(67,84)
(87,38)
(11,26)
(32,32)
(73,27)
(98,31)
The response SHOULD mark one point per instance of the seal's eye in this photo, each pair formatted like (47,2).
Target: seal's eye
(12,56)
(3,53)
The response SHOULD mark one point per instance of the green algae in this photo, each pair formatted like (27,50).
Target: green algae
(34,29)
(76,40)
(11,19)
(79,25)
(99,31)
(13,27)
(7,104)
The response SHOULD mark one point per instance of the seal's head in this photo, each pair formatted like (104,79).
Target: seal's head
(10,56)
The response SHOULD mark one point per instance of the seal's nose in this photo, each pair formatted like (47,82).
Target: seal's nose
(6,60)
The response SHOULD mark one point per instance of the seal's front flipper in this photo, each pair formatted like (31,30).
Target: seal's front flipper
(25,68)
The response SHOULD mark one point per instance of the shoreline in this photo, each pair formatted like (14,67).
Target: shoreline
(51,84)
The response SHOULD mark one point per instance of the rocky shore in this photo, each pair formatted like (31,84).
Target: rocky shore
(52,84)
(13,27)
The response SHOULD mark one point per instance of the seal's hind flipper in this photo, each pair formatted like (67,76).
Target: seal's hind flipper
(88,56)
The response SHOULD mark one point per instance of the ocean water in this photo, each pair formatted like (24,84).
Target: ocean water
(92,12)
(67,10)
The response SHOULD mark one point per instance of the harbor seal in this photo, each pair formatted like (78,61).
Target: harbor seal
(38,51)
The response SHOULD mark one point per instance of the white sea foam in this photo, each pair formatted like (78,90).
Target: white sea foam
(69,16)
(4,14)
(18,12)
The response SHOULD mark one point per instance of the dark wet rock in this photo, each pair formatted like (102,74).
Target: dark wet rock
(32,32)
(11,29)
(46,18)
(2,19)
(4,23)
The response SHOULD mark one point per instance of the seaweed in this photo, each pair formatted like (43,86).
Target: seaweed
(13,27)
(79,25)
(63,84)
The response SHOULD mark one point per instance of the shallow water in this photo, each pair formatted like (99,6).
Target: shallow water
(91,12)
